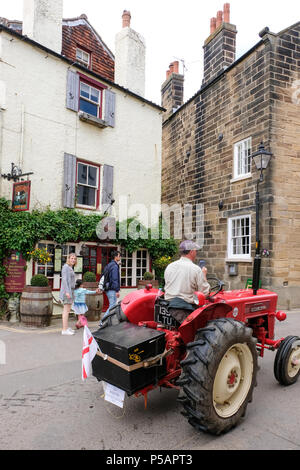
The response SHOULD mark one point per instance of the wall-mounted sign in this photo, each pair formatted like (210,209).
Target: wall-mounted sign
(57,260)
(78,269)
(21,196)
(15,279)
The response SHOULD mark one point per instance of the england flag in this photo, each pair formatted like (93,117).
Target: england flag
(89,351)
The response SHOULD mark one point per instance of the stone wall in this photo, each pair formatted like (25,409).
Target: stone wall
(198,142)
(258,97)
(285,133)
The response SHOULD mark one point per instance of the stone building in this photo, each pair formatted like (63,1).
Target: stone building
(207,146)
(74,117)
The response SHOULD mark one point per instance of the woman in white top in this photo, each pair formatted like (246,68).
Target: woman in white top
(66,294)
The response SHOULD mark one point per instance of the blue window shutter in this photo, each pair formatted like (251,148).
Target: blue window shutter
(69,189)
(107,185)
(73,91)
(110,105)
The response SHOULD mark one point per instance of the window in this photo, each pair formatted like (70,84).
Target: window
(48,268)
(67,250)
(127,269)
(141,264)
(242,158)
(83,57)
(88,180)
(90,259)
(239,237)
(90,100)
(134,266)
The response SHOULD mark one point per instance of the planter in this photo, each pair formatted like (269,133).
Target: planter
(142,284)
(93,302)
(36,306)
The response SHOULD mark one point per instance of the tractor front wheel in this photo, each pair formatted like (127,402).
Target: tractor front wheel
(287,361)
(219,375)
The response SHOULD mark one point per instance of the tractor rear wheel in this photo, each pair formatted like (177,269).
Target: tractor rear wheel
(219,375)
(287,361)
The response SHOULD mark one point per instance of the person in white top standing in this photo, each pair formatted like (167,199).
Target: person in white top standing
(182,279)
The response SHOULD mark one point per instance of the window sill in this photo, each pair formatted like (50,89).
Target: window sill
(241,178)
(85,117)
(239,260)
(86,208)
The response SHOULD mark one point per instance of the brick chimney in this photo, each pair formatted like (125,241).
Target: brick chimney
(172,90)
(42,22)
(220,47)
(130,57)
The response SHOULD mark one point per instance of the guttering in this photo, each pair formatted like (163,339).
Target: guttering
(80,67)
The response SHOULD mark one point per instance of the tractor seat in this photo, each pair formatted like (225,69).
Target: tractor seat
(163,316)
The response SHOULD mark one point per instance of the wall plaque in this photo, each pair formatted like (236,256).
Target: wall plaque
(15,280)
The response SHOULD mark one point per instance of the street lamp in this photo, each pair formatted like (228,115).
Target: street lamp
(261,159)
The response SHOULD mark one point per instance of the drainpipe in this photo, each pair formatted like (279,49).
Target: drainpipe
(22,137)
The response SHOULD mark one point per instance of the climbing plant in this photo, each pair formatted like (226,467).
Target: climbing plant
(20,231)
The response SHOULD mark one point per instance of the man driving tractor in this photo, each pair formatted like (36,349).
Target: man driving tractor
(182,279)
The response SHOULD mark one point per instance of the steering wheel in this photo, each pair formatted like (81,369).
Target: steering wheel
(216,287)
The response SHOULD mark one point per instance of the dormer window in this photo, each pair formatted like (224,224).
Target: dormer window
(83,57)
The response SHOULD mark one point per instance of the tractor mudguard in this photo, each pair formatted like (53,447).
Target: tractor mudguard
(200,317)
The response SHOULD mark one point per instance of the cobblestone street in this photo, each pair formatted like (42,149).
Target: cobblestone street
(45,405)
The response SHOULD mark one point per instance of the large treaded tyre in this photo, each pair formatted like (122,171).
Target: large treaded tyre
(219,375)
(287,365)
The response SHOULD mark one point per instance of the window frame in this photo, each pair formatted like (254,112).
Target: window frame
(237,164)
(97,86)
(97,188)
(135,278)
(37,265)
(71,248)
(238,257)
(81,61)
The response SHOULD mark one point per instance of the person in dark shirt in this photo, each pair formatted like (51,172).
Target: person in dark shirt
(113,291)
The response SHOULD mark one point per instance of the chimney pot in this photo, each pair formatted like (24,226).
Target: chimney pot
(213,25)
(227,13)
(219,18)
(176,67)
(126,18)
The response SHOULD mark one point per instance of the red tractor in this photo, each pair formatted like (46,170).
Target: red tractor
(211,358)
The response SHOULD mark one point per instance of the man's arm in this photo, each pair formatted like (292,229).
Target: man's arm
(203,285)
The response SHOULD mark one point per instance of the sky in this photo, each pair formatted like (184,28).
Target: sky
(175,30)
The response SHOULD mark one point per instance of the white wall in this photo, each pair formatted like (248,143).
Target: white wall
(37,129)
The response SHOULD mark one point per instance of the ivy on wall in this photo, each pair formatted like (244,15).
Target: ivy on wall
(20,231)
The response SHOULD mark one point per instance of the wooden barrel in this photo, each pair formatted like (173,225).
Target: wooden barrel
(93,302)
(36,306)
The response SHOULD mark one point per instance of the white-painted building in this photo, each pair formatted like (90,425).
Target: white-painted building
(86,139)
